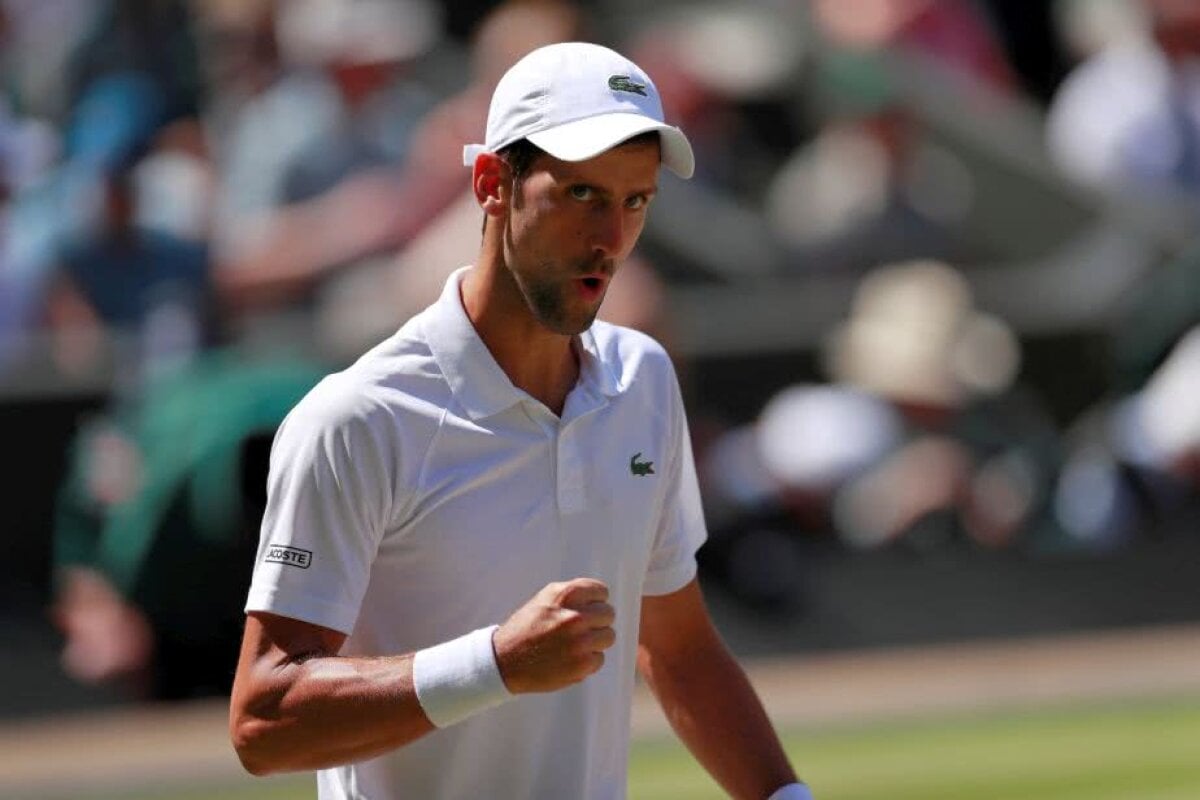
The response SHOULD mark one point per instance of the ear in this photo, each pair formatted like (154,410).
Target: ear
(491,180)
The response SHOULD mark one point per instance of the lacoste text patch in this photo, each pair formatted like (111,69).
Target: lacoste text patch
(291,556)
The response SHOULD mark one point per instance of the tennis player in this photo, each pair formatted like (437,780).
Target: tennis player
(480,532)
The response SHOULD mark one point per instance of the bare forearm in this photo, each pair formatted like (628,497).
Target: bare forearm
(715,711)
(296,705)
(327,711)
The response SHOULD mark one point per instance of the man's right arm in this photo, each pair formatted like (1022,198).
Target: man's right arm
(297,705)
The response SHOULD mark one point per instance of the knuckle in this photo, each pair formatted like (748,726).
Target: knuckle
(581,649)
(587,666)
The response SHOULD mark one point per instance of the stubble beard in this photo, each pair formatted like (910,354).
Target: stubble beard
(546,301)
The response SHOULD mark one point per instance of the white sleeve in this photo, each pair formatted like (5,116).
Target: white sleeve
(681,527)
(329,499)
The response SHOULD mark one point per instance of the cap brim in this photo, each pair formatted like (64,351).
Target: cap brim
(589,137)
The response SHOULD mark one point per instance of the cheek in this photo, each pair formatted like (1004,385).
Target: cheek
(534,219)
(537,242)
(523,229)
(560,232)
(633,232)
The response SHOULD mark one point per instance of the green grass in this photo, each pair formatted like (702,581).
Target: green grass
(1142,751)
(1129,752)
(289,788)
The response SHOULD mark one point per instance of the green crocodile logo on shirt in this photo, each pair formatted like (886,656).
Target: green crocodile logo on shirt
(640,468)
(622,83)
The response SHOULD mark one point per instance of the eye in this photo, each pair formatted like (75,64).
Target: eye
(638,201)
(581,192)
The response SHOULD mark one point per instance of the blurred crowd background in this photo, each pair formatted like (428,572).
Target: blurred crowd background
(934,290)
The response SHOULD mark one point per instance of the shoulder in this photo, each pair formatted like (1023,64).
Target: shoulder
(631,354)
(392,389)
(642,369)
(402,371)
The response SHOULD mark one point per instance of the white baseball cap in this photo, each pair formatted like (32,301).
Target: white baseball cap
(575,100)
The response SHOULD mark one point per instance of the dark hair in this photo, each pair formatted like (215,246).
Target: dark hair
(520,156)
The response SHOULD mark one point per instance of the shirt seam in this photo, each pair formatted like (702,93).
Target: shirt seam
(426,458)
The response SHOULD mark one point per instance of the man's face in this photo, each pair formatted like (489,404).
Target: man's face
(572,224)
(1176,27)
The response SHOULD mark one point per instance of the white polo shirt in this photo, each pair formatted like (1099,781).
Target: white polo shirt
(419,495)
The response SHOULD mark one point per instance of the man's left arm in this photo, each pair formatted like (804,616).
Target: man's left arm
(707,697)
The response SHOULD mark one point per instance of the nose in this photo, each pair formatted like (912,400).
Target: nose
(608,232)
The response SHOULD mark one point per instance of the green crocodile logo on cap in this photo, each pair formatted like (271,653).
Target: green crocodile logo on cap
(622,83)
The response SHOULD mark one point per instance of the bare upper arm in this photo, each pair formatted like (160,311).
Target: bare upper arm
(287,638)
(675,624)
(271,643)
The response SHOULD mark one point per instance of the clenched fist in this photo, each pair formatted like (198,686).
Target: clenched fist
(557,638)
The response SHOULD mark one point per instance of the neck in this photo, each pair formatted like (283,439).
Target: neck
(538,361)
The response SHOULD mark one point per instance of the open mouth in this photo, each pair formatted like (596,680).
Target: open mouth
(591,288)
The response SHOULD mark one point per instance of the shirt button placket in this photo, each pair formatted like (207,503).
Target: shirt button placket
(570,473)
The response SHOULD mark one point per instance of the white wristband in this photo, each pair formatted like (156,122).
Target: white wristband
(793,791)
(458,678)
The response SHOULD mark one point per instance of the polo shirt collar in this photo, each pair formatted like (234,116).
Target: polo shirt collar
(479,384)
(593,369)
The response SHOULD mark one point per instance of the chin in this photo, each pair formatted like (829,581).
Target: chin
(572,329)
(569,327)
(561,320)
